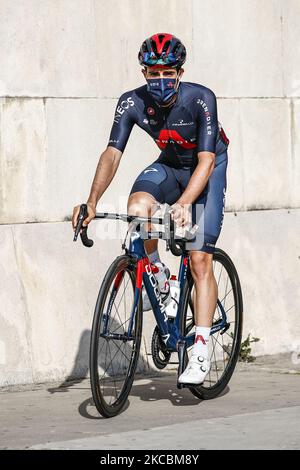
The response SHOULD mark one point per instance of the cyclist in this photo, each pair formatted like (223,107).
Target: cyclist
(190,171)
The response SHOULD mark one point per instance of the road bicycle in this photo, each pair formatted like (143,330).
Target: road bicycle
(118,318)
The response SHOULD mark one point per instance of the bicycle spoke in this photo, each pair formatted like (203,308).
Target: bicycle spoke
(111,317)
(124,297)
(229,335)
(221,346)
(117,312)
(119,326)
(221,301)
(117,306)
(113,374)
(215,361)
(230,308)
(108,365)
(123,289)
(226,291)
(119,347)
(104,361)
(104,342)
(220,275)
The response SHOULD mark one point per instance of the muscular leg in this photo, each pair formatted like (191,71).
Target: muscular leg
(141,203)
(205,299)
(206,290)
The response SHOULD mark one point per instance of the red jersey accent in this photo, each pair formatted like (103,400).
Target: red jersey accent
(165,136)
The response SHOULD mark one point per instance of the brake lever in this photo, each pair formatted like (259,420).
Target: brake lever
(83,214)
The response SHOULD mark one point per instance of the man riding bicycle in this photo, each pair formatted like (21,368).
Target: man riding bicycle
(190,172)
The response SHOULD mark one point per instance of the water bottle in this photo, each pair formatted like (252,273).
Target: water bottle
(172,306)
(161,273)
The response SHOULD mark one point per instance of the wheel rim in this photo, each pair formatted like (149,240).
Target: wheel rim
(115,357)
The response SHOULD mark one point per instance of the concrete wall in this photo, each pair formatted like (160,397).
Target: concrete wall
(63,65)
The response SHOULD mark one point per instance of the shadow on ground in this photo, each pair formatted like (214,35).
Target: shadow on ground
(80,368)
(153,390)
(148,389)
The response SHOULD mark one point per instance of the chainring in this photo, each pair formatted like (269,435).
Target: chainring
(160,355)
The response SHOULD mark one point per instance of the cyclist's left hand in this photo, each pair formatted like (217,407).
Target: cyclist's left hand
(181,214)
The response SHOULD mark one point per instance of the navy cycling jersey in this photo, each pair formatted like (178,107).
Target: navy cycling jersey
(182,130)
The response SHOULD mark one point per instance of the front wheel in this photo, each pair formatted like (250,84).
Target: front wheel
(224,344)
(113,353)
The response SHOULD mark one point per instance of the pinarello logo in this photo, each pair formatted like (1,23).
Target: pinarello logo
(150,111)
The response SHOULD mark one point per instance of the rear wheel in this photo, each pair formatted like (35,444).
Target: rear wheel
(224,344)
(113,355)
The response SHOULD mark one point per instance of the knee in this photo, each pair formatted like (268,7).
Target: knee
(201,265)
(140,204)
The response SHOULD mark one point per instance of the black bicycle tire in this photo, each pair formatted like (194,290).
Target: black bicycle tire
(109,411)
(200,391)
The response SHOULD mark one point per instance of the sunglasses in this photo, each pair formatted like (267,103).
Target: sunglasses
(165,59)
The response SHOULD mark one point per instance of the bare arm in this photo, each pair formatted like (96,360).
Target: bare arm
(106,170)
(199,178)
(195,186)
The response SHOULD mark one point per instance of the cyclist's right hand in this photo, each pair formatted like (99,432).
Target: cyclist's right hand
(91,214)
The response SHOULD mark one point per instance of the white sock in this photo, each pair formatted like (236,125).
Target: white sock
(154,257)
(200,347)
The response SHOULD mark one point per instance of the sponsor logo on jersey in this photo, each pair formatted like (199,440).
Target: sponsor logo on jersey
(113,141)
(151,121)
(125,104)
(181,122)
(150,111)
(150,169)
(207,115)
(172,137)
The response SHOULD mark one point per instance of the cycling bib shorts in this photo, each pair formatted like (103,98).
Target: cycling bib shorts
(166,184)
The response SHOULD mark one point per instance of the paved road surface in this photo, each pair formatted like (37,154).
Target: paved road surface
(260,410)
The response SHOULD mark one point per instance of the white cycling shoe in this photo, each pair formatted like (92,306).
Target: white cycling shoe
(196,371)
